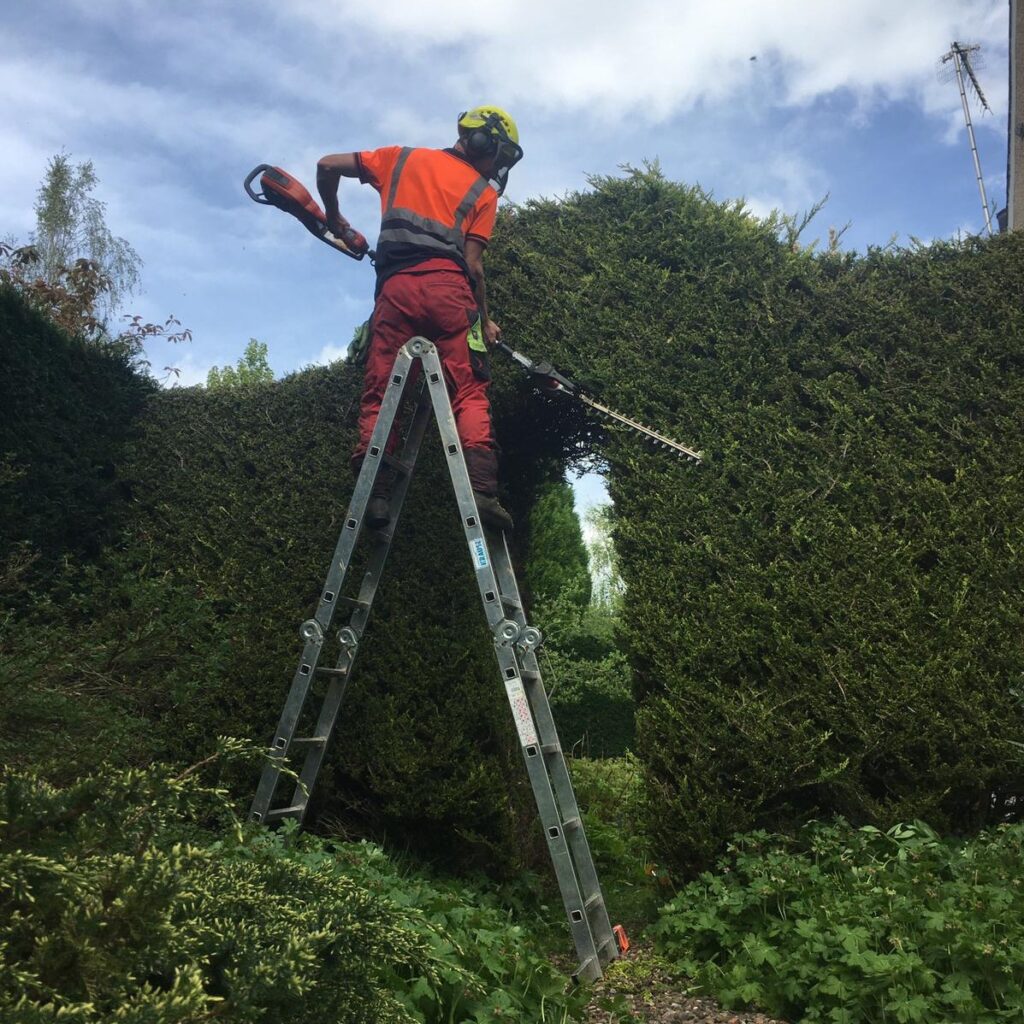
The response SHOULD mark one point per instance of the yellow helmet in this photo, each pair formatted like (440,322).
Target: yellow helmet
(489,117)
(488,132)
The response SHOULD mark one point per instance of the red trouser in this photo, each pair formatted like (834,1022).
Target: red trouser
(437,305)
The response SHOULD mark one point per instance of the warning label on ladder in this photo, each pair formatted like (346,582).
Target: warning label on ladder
(521,712)
(478,549)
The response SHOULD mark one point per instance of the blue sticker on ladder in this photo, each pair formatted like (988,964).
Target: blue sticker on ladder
(478,552)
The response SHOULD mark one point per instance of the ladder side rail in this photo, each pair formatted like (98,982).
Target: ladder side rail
(557,829)
(558,771)
(438,390)
(356,513)
(314,630)
(506,631)
(351,636)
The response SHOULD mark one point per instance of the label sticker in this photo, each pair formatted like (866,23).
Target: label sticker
(521,712)
(478,552)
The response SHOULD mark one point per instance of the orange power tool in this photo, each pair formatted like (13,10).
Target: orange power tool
(280,189)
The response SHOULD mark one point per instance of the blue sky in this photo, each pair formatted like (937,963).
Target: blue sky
(175,102)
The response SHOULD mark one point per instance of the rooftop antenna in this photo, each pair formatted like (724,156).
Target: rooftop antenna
(964,59)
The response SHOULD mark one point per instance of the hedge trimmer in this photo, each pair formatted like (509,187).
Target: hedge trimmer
(280,189)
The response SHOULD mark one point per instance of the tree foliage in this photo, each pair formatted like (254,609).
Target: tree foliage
(71,230)
(558,562)
(608,590)
(251,368)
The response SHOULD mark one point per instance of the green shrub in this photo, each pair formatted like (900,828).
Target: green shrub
(858,926)
(609,792)
(116,904)
(588,679)
(110,913)
(557,563)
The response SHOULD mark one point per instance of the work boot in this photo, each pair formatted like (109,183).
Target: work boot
(482,466)
(378,508)
(492,513)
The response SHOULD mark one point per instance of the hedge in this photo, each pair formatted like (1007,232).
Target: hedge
(824,617)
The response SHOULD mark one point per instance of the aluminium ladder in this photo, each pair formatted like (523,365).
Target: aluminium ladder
(515,644)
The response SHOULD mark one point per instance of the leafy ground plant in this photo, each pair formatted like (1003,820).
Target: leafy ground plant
(858,925)
(138,896)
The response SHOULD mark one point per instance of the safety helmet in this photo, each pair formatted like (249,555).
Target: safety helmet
(488,131)
(481,117)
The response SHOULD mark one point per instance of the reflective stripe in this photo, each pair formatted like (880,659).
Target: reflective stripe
(399,225)
(400,218)
(395,175)
(469,201)
(424,241)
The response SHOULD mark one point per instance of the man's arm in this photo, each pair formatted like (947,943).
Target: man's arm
(474,253)
(329,172)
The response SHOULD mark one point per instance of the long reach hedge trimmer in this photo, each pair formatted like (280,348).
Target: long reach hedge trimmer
(280,189)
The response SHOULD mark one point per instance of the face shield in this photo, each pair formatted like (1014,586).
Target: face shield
(508,154)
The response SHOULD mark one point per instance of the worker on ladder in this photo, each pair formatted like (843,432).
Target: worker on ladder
(437,213)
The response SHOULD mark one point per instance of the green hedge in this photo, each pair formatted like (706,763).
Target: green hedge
(68,408)
(824,617)
(170,615)
(242,492)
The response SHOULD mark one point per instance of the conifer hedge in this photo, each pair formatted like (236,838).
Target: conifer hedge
(242,492)
(66,410)
(176,618)
(826,616)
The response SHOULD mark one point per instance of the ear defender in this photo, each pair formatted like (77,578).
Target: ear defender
(481,142)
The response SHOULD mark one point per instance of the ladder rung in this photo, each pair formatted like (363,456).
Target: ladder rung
(309,740)
(551,748)
(582,969)
(510,602)
(530,675)
(332,671)
(353,602)
(284,812)
(570,824)
(595,901)
(604,945)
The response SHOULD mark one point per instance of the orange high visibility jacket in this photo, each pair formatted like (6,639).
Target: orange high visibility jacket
(431,201)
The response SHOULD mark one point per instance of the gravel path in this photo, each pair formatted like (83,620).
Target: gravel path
(640,988)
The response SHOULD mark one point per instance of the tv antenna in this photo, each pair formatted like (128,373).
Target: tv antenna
(963,60)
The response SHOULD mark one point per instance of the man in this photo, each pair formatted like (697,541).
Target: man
(437,214)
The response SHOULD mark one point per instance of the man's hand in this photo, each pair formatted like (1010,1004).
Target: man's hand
(492,332)
(338,225)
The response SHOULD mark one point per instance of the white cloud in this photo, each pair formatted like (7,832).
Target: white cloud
(651,58)
(190,370)
(330,354)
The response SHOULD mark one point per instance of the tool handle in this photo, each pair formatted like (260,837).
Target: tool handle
(280,189)
(355,240)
